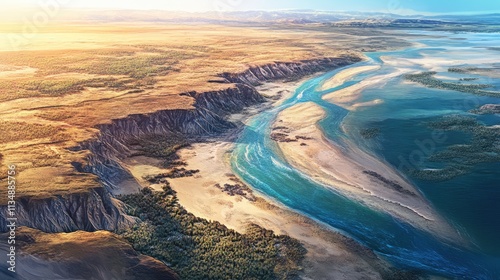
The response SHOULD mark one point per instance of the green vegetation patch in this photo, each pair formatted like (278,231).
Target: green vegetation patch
(469,79)
(137,67)
(130,68)
(61,87)
(128,60)
(159,146)
(370,133)
(440,174)
(487,109)
(388,183)
(484,147)
(40,87)
(199,249)
(468,69)
(143,62)
(23,131)
(427,79)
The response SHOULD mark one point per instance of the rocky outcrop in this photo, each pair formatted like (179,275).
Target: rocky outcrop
(288,70)
(97,209)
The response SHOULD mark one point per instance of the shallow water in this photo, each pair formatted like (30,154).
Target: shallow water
(469,202)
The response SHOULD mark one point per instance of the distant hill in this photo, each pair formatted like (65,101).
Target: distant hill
(290,16)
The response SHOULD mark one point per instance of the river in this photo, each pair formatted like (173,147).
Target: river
(469,202)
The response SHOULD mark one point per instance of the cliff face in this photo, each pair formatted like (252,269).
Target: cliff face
(97,209)
(90,211)
(80,255)
(288,70)
(206,119)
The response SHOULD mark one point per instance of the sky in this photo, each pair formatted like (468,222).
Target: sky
(386,6)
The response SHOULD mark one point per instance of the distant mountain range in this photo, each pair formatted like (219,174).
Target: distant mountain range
(291,16)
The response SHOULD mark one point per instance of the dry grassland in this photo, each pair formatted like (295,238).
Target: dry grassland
(69,79)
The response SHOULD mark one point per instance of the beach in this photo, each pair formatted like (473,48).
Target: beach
(202,195)
(345,75)
(353,172)
(347,97)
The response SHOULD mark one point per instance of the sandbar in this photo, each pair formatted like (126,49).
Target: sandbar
(345,75)
(345,168)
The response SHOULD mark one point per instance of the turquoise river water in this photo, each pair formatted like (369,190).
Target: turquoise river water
(470,202)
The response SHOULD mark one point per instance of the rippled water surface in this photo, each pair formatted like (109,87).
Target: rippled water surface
(471,202)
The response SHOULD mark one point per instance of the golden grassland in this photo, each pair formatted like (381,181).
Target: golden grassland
(69,79)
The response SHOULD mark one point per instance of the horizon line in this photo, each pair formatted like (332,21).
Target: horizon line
(411,12)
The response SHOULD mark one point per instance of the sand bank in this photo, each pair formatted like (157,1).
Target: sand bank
(347,97)
(330,254)
(200,196)
(344,169)
(345,75)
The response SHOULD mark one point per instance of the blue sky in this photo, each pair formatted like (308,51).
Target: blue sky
(388,6)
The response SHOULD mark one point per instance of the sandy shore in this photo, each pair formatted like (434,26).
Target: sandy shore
(347,97)
(342,169)
(345,75)
(330,254)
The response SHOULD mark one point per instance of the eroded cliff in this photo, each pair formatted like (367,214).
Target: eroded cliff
(97,209)
(288,70)
(80,255)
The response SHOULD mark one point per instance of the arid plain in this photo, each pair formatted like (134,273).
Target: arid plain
(76,85)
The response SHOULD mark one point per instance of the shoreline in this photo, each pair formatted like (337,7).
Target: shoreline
(353,172)
(345,75)
(203,196)
(347,97)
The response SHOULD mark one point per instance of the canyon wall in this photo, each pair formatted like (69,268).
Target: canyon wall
(97,209)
